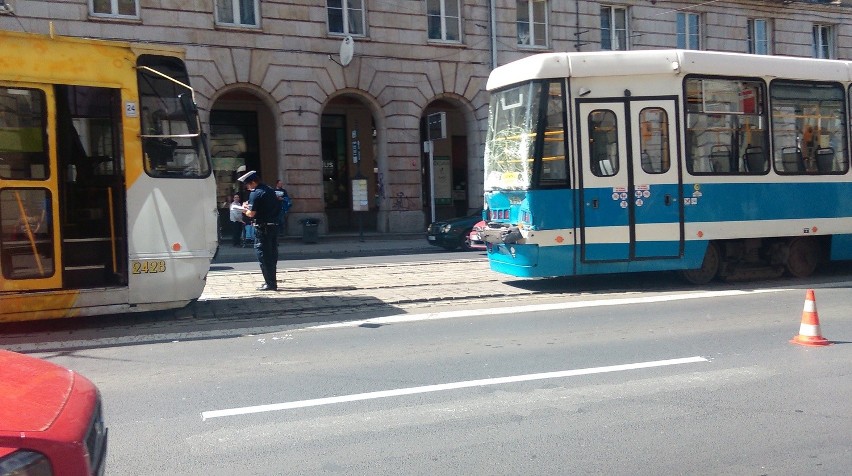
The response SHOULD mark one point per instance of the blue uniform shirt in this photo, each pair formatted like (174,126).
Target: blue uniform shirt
(265,205)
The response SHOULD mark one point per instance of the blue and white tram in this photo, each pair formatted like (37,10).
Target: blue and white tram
(714,164)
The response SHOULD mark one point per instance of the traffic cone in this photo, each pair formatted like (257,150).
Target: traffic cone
(809,333)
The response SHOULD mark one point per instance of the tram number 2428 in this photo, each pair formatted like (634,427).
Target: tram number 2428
(148,266)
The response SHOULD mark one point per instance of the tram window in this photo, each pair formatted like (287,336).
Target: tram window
(171,141)
(726,126)
(26,233)
(654,140)
(87,122)
(808,127)
(553,167)
(603,143)
(23,139)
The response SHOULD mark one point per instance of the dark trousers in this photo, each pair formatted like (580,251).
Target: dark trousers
(237,232)
(266,249)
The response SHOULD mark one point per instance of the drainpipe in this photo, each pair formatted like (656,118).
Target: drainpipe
(577,23)
(492,12)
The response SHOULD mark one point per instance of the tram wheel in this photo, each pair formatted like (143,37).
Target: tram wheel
(803,257)
(709,267)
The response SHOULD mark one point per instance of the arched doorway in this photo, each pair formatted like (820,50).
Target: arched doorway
(350,169)
(242,134)
(457,174)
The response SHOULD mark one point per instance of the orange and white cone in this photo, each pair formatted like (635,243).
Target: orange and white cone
(809,333)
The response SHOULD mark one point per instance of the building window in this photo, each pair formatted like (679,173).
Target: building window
(613,28)
(122,8)
(823,41)
(444,20)
(758,37)
(689,31)
(237,12)
(346,17)
(532,23)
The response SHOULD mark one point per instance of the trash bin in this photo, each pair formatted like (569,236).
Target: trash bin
(310,230)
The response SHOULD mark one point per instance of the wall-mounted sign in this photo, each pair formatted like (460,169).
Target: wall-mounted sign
(437,125)
(443,181)
(356,151)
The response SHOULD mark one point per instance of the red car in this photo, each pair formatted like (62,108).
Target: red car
(474,238)
(50,420)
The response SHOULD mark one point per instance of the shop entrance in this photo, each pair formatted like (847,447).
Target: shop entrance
(451,168)
(349,144)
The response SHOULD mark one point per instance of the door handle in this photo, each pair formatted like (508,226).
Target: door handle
(594,203)
(668,199)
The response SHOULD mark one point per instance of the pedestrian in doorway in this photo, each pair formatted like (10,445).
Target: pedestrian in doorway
(284,201)
(263,207)
(237,223)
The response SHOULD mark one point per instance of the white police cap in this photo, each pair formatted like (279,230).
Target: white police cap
(249,176)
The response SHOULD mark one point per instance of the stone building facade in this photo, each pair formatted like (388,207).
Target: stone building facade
(281,93)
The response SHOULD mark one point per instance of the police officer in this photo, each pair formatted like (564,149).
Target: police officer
(263,207)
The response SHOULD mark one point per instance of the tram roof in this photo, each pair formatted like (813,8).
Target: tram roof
(673,62)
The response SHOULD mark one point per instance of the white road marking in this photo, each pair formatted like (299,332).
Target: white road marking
(443,387)
(540,307)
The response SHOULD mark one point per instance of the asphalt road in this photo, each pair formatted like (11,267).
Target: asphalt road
(634,382)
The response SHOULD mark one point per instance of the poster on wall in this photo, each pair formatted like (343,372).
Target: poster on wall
(360,203)
(443,181)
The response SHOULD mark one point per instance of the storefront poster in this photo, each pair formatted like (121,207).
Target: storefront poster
(443,181)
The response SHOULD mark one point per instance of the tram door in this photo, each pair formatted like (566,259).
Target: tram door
(630,183)
(92,211)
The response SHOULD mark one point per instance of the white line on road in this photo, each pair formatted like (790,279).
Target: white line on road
(398,318)
(443,387)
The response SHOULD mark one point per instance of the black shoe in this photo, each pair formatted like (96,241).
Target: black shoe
(266,287)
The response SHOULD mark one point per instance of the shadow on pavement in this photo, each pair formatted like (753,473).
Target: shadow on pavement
(604,283)
(671,281)
(201,320)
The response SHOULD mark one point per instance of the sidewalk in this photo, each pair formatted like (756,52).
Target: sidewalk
(333,245)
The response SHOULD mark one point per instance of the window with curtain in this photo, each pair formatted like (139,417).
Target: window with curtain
(443,20)
(237,12)
(823,42)
(613,28)
(122,8)
(532,23)
(346,17)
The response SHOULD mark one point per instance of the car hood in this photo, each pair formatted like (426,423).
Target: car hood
(458,220)
(34,392)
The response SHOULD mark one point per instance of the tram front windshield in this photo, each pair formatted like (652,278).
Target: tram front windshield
(525,145)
